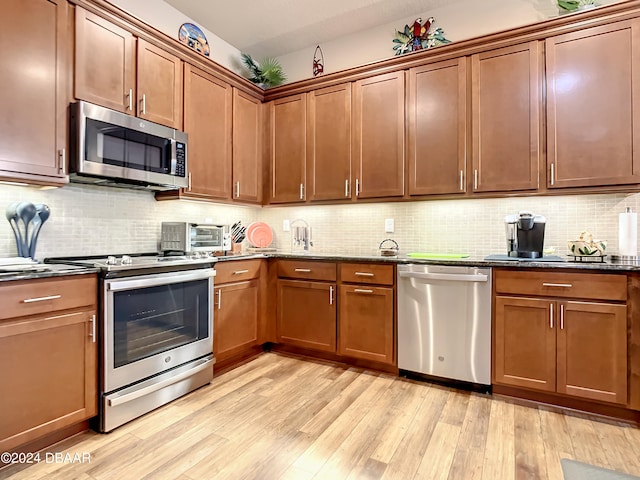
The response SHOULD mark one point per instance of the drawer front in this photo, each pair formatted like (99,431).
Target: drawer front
(32,297)
(237,270)
(366,273)
(307,270)
(596,286)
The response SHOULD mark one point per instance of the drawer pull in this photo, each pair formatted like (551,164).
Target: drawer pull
(41,299)
(240,272)
(564,285)
(303,270)
(362,290)
(364,274)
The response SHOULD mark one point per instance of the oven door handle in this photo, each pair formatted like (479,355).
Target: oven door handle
(113,402)
(163,279)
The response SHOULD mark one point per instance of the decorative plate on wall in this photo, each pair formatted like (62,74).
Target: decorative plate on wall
(193,37)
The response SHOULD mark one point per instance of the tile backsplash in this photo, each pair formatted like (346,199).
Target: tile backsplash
(90,220)
(474,226)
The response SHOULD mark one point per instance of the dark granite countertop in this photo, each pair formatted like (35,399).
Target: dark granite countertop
(45,271)
(471,261)
(57,270)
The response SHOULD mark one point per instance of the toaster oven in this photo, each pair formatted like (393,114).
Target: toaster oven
(194,237)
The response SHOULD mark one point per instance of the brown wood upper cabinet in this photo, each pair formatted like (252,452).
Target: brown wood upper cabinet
(145,80)
(505,104)
(329,143)
(247,148)
(378,136)
(594,139)
(207,120)
(437,124)
(288,149)
(33,126)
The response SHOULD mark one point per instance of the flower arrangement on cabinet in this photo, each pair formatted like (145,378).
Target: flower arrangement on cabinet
(419,36)
(566,6)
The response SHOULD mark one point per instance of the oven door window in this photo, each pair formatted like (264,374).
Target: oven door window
(152,320)
(122,147)
(206,237)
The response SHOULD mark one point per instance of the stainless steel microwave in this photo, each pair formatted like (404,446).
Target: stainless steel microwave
(194,237)
(115,149)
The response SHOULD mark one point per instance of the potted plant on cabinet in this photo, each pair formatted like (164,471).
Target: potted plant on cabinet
(267,74)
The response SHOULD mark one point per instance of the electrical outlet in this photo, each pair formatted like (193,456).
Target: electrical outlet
(286,226)
(389,225)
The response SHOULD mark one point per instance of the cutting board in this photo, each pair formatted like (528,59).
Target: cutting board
(437,255)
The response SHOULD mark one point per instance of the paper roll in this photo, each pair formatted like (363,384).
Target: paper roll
(628,233)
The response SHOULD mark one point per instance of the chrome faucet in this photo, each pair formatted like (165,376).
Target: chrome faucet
(301,235)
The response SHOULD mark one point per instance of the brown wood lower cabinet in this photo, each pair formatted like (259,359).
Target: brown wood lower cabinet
(306,314)
(570,347)
(49,364)
(366,323)
(236,318)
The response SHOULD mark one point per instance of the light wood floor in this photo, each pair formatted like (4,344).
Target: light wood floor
(279,417)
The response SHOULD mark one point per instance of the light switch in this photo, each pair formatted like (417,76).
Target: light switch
(389,225)
(286,227)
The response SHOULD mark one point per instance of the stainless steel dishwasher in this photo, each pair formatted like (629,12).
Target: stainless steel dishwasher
(444,322)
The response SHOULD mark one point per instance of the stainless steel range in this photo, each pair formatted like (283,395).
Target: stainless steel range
(156,331)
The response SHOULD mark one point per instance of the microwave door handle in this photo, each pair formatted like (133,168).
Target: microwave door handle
(142,282)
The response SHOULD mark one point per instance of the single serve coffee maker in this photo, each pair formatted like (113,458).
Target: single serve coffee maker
(525,234)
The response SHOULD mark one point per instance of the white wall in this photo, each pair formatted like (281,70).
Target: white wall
(460,21)
(168,20)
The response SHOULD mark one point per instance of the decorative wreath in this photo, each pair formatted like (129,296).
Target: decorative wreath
(419,36)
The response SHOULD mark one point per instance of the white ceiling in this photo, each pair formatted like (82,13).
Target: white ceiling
(277,27)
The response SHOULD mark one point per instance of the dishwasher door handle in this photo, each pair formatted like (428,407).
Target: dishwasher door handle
(454,277)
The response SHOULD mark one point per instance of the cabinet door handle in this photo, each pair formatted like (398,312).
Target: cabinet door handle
(302,191)
(551,315)
(41,299)
(240,272)
(331,295)
(237,189)
(553,174)
(364,274)
(303,270)
(475,179)
(357,187)
(346,188)
(61,160)
(564,285)
(362,290)
(461,181)
(561,317)
(93,328)
(144,104)
(130,97)
(219,298)
(189,180)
